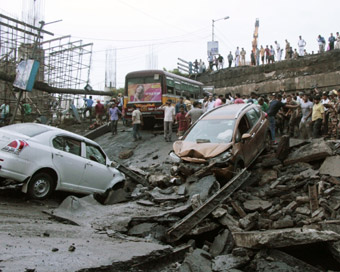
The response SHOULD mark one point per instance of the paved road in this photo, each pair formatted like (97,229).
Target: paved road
(31,239)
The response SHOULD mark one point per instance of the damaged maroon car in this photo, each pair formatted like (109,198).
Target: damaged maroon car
(231,137)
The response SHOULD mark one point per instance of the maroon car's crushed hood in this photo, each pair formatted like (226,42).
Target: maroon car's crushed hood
(199,152)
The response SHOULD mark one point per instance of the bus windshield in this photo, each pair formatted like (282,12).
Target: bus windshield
(144,89)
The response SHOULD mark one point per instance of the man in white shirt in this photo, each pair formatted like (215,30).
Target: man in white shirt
(237,57)
(278,51)
(306,109)
(301,44)
(209,105)
(169,117)
(137,119)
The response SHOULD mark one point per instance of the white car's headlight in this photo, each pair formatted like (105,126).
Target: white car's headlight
(174,157)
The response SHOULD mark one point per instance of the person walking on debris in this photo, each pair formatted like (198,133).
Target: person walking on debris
(301,44)
(306,108)
(182,121)
(195,113)
(137,121)
(99,110)
(272,54)
(274,106)
(114,117)
(332,115)
(88,108)
(230,59)
(318,117)
(169,117)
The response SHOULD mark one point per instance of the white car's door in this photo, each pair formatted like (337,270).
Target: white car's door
(97,175)
(66,156)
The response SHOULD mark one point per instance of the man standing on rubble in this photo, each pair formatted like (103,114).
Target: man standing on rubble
(318,117)
(306,109)
(88,108)
(169,117)
(237,57)
(274,106)
(288,48)
(301,44)
(114,116)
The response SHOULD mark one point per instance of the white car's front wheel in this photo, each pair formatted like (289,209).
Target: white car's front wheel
(40,186)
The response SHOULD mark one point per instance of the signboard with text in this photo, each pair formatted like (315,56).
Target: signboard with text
(213,48)
(25,74)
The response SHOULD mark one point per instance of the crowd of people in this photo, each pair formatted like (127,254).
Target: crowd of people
(303,114)
(265,54)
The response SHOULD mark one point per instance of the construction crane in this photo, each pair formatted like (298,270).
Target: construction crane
(255,36)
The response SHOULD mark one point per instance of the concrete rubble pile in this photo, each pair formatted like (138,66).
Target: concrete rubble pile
(289,204)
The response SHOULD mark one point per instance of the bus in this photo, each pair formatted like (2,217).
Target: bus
(149,89)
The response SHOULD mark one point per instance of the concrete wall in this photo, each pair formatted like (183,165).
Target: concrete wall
(289,75)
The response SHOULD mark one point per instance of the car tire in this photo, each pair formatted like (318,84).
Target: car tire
(237,168)
(40,186)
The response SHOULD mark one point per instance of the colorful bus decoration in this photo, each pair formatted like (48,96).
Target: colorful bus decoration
(149,89)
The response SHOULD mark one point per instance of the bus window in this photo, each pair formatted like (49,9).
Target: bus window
(170,90)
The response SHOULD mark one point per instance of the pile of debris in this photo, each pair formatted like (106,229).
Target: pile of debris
(283,214)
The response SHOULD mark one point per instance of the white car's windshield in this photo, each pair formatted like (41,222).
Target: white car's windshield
(211,131)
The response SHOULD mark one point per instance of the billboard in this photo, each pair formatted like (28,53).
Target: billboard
(26,73)
(145,92)
(212,48)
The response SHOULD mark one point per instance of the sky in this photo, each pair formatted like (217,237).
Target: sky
(174,29)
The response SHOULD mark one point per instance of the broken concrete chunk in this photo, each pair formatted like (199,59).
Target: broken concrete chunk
(282,237)
(158,197)
(219,212)
(267,176)
(249,221)
(331,166)
(302,210)
(276,260)
(317,150)
(159,180)
(195,201)
(229,221)
(205,187)
(197,261)
(125,154)
(254,205)
(220,242)
(284,223)
(224,263)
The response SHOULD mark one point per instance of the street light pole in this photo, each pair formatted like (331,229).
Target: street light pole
(213,25)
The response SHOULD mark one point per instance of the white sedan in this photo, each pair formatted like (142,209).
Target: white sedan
(46,158)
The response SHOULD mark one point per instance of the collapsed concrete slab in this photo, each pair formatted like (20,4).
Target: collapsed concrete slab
(276,260)
(316,150)
(282,237)
(331,166)
(224,263)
